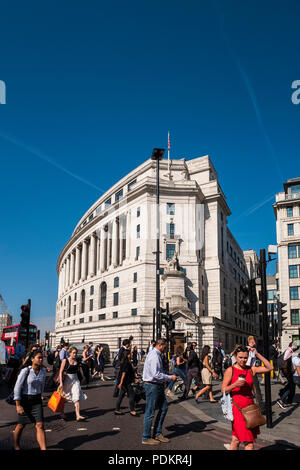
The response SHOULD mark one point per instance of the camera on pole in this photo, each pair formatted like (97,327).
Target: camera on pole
(280,317)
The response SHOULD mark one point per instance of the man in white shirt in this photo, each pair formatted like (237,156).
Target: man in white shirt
(296,365)
(288,393)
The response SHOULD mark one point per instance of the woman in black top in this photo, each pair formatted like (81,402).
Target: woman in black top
(125,379)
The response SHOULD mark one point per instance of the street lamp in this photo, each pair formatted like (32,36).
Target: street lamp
(157,155)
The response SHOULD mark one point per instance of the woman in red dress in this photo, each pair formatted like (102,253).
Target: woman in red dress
(238,380)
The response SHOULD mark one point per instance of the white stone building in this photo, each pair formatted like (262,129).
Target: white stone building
(107,269)
(5,320)
(287,213)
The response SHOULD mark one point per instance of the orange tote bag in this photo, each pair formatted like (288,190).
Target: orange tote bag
(57,401)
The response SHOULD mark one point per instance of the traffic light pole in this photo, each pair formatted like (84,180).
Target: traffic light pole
(265,324)
(158,313)
(28,326)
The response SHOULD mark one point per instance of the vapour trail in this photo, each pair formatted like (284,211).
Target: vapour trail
(49,160)
(253,208)
(249,89)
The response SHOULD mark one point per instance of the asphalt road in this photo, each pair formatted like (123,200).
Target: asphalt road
(105,431)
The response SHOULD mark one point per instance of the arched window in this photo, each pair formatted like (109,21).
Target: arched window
(116,282)
(69,306)
(103,292)
(82,310)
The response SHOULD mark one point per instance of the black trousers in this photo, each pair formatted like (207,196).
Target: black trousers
(126,388)
(86,372)
(193,373)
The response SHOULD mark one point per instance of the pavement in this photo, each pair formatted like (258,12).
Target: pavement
(188,425)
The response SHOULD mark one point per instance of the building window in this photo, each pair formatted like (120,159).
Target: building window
(295,317)
(138,249)
(103,293)
(290,229)
(134,277)
(91,217)
(116,298)
(171,230)
(119,195)
(81,320)
(91,305)
(133,312)
(75,296)
(102,316)
(92,290)
(90,318)
(293,271)
(129,186)
(294,293)
(115,314)
(82,310)
(170,250)
(134,295)
(69,306)
(138,231)
(74,310)
(289,212)
(170,208)
(271,294)
(107,203)
(138,212)
(116,282)
(293,251)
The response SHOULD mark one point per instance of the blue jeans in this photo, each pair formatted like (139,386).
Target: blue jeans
(155,399)
(181,374)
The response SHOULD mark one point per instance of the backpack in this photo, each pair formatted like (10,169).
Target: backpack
(174,360)
(285,366)
(116,361)
(10,399)
(50,358)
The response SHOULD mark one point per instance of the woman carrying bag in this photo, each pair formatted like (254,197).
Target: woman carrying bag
(238,381)
(125,379)
(28,396)
(69,381)
(206,374)
(99,362)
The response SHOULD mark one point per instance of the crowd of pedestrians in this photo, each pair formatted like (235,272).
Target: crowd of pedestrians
(71,372)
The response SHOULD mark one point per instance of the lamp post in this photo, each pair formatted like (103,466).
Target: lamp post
(157,155)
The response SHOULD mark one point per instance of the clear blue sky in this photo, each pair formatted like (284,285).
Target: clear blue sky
(88,82)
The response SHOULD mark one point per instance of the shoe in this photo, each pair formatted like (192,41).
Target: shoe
(118,412)
(227,446)
(135,416)
(151,442)
(213,401)
(281,404)
(183,397)
(161,438)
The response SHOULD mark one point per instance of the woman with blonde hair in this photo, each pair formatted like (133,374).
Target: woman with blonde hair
(85,364)
(69,381)
(206,375)
(99,362)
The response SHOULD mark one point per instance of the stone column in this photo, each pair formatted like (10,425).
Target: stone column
(68,271)
(84,260)
(128,235)
(98,253)
(102,249)
(72,269)
(121,238)
(59,283)
(115,242)
(108,238)
(77,265)
(92,256)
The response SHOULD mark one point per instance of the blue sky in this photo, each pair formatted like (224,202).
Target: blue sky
(95,81)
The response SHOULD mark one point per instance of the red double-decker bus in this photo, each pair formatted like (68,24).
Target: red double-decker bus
(13,334)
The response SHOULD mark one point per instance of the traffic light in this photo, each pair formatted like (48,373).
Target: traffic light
(280,317)
(248,298)
(47,335)
(167,319)
(25,316)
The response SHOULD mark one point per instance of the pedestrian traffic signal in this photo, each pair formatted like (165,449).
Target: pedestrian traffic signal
(280,317)
(167,319)
(253,301)
(47,335)
(25,316)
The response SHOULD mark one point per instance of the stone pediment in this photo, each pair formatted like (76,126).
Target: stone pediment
(184,313)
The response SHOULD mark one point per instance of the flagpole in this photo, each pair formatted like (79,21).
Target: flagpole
(169,155)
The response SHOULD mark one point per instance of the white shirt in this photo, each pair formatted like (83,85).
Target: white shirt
(296,362)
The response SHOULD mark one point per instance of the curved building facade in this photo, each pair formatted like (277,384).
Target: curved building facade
(107,269)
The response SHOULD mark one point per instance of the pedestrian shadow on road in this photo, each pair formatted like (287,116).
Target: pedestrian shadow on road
(285,414)
(183,429)
(71,443)
(284,445)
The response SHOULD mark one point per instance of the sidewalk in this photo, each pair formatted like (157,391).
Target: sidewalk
(286,422)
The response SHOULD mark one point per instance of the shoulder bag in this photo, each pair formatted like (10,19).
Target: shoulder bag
(252,414)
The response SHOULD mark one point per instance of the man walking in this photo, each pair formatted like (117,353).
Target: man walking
(126,344)
(154,385)
(217,360)
(288,392)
